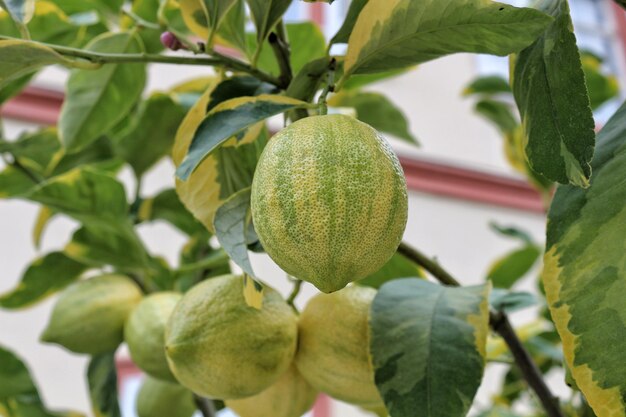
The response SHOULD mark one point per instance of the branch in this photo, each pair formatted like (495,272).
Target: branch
(294,293)
(500,324)
(206,406)
(106,58)
(280,47)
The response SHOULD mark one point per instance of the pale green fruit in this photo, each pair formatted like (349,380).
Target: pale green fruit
(158,398)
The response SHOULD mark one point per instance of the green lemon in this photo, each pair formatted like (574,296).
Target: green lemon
(329,200)
(144,333)
(158,398)
(220,347)
(89,315)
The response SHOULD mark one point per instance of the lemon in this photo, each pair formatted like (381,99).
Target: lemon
(220,347)
(329,200)
(89,315)
(290,396)
(333,351)
(144,333)
(158,398)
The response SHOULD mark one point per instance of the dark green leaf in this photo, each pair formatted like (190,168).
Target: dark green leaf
(343,34)
(265,15)
(102,379)
(167,206)
(488,85)
(231,222)
(14,182)
(15,378)
(376,110)
(512,232)
(549,87)
(94,103)
(397,267)
(229,119)
(43,277)
(498,113)
(428,346)
(308,80)
(507,270)
(238,86)
(151,136)
(508,301)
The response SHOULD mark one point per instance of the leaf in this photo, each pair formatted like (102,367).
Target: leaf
(584,273)
(512,232)
(151,136)
(397,267)
(230,224)
(14,182)
(15,378)
(343,34)
(97,100)
(20,10)
(488,85)
(400,33)
(308,80)
(20,58)
(508,269)
(196,17)
(43,277)
(509,301)
(428,346)
(265,14)
(216,11)
(252,292)
(43,218)
(98,155)
(601,87)
(376,110)
(498,113)
(15,87)
(232,31)
(224,172)
(34,150)
(549,88)
(167,206)
(102,379)
(228,119)
(361,80)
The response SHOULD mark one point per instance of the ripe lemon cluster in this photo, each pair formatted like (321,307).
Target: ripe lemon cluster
(267,362)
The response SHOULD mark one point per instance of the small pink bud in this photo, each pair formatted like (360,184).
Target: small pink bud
(170,41)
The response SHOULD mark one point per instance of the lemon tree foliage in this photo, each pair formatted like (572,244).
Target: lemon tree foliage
(260,166)
(583,273)
(428,346)
(549,87)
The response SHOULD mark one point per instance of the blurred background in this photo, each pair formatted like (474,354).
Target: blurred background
(460,183)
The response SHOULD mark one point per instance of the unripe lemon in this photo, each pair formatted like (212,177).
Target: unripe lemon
(89,315)
(290,396)
(220,347)
(144,333)
(329,200)
(333,349)
(158,398)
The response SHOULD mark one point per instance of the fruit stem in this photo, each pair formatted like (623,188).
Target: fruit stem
(330,87)
(500,323)
(205,406)
(297,284)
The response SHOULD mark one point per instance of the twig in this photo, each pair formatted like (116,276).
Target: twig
(206,406)
(500,324)
(330,87)
(282,54)
(106,58)
(294,293)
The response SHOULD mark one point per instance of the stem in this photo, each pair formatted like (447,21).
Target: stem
(282,54)
(330,87)
(294,293)
(206,406)
(106,58)
(500,324)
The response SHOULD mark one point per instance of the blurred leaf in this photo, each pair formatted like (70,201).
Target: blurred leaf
(15,380)
(252,292)
(98,155)
(228,119)
(357,81)
(512,232)
(167,206)
(34,150)
(549,88)
(508,269)
(196,17)
(230,224)
(265,14)
(14,182)
(428,346)
(13,88)
(488,85)
(93,103)
(43,277)
(499,113)
(376,110)
(397,267)
(43,218)
(343,34)
(102,379)
(601,87)
(498,412)
(151,135)
(509,301)
(20,10)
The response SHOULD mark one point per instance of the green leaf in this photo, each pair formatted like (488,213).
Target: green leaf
(549,88)
(94,102)
(14,182)
(343,34)
(34,150)
(43,218)
(19,58)
(167,206)
(601,87)
(512,232)
(509,301)
(400,33)
(98,155)
(232,31)
(196,17)
(43,277)
(585,273)
(237,87)
(15,380)
(397,267)
(376,110)
(507,270)
(361,80)
(230,224)
(151,136)
(13,88)
(229,119)
(265,14)
(428,346)
(20,10)
(308,80)
(488,85)
(498,113)
(102,379)
(216,11)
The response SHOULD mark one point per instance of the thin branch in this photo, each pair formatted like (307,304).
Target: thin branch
(330,87)
(106,58)
(281,51)
(215,259)
(206,406)
(297,285)
(500,324)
